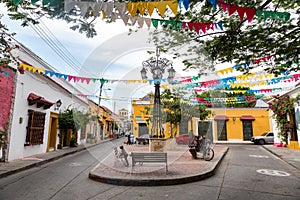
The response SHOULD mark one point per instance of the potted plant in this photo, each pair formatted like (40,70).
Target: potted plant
(3,142)
(73,142)
(89,137)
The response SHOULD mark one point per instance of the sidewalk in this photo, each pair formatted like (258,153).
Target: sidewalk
(290,156)
(15,166)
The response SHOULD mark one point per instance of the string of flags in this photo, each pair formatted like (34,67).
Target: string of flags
(246,65)
(200,100)
(249,12)
(245,80)
(122,9)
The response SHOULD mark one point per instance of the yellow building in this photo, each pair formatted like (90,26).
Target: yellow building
(235,124)
(101,128)
(225,125)
(140,117)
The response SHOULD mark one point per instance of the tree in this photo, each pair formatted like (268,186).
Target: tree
(29,12)
(6,58)
(239,41)
(283,108)
(171,104)
(254,29)
(74,120)
(65,122)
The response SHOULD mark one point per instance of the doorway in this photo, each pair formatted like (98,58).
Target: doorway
(52,134)
(143,129)
(205,129)
(247,130)
(221,130)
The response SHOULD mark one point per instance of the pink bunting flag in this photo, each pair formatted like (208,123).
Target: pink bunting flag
(250,12)
(190,25)
(71,77)
(225,6)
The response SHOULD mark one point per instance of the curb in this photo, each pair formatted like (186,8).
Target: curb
(23,168)
(278,156)
(5,174)
(157,181)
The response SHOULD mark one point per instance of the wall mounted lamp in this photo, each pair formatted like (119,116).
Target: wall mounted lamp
(234,118)
(57,104)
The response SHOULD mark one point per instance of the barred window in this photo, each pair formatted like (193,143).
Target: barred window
(35,128)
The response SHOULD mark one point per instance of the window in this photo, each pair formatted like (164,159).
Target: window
(35,128)
(270,134)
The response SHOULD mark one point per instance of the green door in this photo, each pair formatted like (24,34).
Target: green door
(247,130)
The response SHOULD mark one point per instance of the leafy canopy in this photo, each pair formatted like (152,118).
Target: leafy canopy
(238,42)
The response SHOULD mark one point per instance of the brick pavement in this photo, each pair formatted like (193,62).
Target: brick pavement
(182,168)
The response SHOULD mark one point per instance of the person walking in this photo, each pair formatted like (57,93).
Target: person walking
(128,139)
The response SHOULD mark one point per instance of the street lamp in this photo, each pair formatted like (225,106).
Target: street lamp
(157,67)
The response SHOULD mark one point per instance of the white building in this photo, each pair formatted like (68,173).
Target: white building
(33,121)
(294,93)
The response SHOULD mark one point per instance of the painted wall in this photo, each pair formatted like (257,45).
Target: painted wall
(139,115)
(27,83)
(234,125)
(6,87)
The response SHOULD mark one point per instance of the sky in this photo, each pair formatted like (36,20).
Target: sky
(112,54)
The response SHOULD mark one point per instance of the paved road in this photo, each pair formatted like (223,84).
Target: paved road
(246,172)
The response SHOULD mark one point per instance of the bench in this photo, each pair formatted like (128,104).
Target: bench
(155,157)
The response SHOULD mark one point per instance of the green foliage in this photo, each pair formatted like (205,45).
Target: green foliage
(74,120)
(66,120)
(240,41)
(5,46)
(73,142)
(3,137)
(282,107)
(53,10)
(171,104)
(81,119)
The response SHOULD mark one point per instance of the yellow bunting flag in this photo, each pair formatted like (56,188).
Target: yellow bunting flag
(161,7)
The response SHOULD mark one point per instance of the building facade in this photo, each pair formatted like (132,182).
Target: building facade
(234,125)
(33,105)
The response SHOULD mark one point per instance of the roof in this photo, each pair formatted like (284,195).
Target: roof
(247,117)
(261,104)
(221,117)
(40,101)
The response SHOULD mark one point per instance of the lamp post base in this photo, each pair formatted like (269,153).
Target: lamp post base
(157,144)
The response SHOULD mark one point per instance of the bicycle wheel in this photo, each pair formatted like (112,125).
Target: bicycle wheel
(125,162)
(208,154)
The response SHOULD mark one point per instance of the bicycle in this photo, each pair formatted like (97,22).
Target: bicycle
(121,156)
(202,145)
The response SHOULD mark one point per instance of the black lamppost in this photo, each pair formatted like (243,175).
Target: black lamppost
(157,67)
